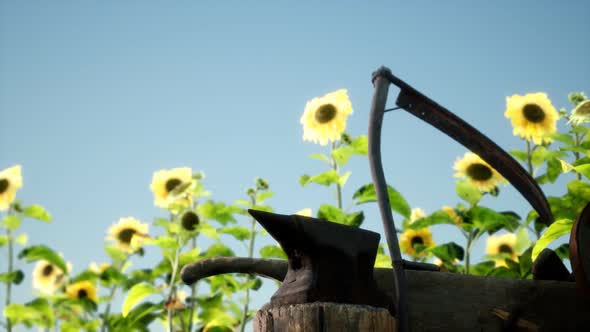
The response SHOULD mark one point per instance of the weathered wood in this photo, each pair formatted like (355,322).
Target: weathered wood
(323,317)
(439,301)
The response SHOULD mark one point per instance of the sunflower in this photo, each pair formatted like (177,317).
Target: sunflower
(10,181)
(532,116)
(451,213)
(98,269)
(417,213)
(177,301)
(502,245)
(410,238)
(581,114)
(304,212)
(125,231)
(82,290)
(324,118)
(47,277)
(478,172)
(171,186)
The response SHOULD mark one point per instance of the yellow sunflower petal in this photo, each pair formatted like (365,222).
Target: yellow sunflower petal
(324,118)
(410,238)
(124,232)
(532,116)
(82,290)
(502,244)
(171,187)
(47,278)
(478,172)
(10,181)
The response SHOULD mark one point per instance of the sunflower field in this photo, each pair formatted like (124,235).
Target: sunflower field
(115,296)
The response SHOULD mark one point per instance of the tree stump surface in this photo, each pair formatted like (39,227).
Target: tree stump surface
(323,317)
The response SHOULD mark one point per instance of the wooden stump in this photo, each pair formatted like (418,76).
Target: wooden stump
(323,317)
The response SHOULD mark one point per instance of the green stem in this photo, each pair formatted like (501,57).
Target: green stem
(193,294)
(576,153)
(250,255)
(9,284)
(468,251)
(172,286)
(107,310)
(529,155)
(338,186)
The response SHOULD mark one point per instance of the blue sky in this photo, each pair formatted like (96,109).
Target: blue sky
(95,97)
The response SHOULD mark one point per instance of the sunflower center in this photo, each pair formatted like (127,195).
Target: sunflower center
(126,234)
(325,113)
(172,183)
(505,249)
(82,294)
(4,184)
(189,221)
(533,112)
(479,172)
(47,270)
(417,240)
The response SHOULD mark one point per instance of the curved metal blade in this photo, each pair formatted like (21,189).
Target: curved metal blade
(439,117)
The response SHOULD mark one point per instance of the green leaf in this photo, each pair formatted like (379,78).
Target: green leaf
(218,211)
(331,213)
(556,230)
(218,249)
(447,252)
(521,156)
(581,130)
(342,154)
(483,268)
(18,313)
(272,251)
(438,217)
(355,219)
(115,253)
(189,256)
(263,196)
(398,203)
(135,295)
(579,189)
(342,180)
(523,240)
(525,261)
(563,251)
(320,156)
(241,233)
(3,240)
(564,138)
(468,192)
(491,221)
(164,242)
(208,230)
(361,145)
(15,277)
(12,222)
(37,212)
(39,252)
(21,239)
(584,170)
(325,179)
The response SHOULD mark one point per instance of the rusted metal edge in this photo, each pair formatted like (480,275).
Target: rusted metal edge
(381,83)
(439,117)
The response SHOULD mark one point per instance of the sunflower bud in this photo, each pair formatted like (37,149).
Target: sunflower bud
(261,184)
(576,97)
(251,192)
(189,221)
(346,139)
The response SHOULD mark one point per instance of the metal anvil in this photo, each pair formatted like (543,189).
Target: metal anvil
(327,262)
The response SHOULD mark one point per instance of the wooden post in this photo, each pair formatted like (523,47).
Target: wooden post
(323,317)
